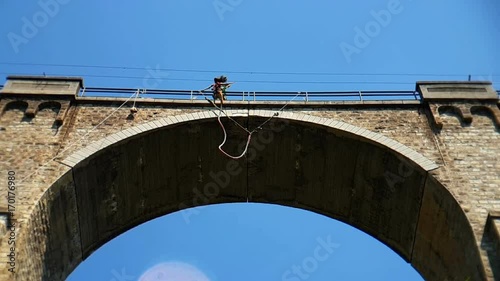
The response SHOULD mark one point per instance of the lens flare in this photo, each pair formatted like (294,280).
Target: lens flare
(173,271)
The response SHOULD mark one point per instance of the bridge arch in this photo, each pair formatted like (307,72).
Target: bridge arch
(362,178)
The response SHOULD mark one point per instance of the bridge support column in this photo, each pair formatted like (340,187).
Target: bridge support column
(473,183)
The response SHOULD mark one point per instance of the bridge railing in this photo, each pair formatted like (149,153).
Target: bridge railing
(253,96)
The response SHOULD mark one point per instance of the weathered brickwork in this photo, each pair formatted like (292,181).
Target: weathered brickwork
(472,171)
(467,153)
(35,146)
(403,124)
(89,128)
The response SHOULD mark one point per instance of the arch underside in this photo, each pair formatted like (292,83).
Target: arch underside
(297,164)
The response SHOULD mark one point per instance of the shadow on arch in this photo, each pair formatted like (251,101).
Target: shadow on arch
(332,168)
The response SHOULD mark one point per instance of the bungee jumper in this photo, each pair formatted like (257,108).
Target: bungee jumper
(219,88)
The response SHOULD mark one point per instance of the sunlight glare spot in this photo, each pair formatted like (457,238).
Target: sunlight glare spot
(173,271)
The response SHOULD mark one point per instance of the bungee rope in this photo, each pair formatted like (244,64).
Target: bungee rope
(239,125)
(224,141)
(224,131)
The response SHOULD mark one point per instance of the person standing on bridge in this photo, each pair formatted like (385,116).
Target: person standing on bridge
(219,88)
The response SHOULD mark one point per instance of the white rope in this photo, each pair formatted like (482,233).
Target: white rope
(224,130)
(276,113)
(77,141)
(224,141)
(245,129)
(135,99)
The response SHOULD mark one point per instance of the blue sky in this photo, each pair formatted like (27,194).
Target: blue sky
(261,45)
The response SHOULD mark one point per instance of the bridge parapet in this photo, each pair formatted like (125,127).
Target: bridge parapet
(35,93)
(463,98)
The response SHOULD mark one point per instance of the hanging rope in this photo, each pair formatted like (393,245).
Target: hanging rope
(275,114)
(229,117)
(224,140)
(239,125)
(224,130)
(134,109)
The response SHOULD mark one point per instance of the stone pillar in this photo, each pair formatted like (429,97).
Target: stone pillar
(469,155)
(34,116)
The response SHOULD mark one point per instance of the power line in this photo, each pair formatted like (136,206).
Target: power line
(241,72)
(239,81)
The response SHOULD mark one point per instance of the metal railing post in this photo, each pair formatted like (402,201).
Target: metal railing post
(360,96)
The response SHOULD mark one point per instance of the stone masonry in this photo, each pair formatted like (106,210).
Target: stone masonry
(77,171)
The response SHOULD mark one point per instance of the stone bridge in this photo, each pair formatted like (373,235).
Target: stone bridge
(421,176)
